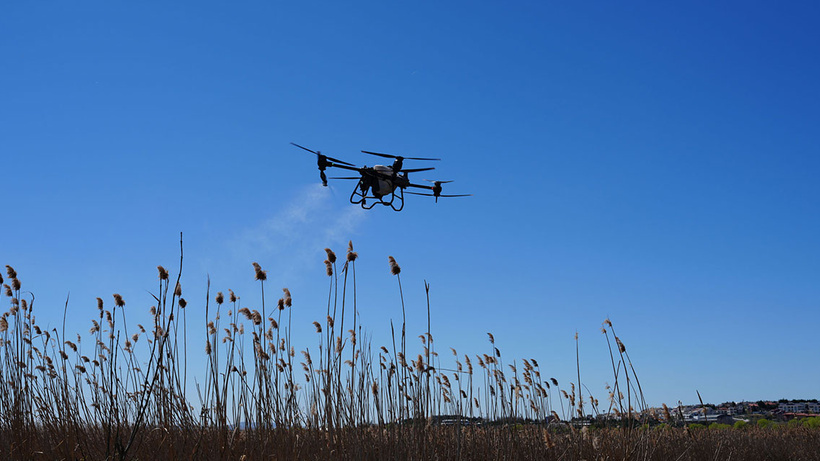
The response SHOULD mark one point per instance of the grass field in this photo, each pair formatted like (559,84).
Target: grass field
(119,391)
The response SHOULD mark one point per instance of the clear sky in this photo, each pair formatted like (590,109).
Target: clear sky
(654,164)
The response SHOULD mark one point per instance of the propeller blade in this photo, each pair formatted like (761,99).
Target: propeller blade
(345,177)
(414,170)
(380,155)
(398,156)
(334,160)
(421,158)
(305,148)
(441,195)
(438,182)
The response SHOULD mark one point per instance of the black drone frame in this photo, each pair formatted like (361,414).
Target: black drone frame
(370,180)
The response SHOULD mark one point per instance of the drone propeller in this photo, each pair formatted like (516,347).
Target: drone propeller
(440,195)
(334,160)
(345,177)
(414,170)
(398,160)
(436,188)
(398,157)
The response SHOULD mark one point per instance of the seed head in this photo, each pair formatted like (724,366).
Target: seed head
(118,301)
(11,272)
(232,296)
(100,304)
(351,255)
(8,290)
(621,346)
(220,298)
(178,290)
(331,256)
(15,284)
(260,274)
(315,324)
(163,274)
(394,266)
(281,304)
(182,303)
(329,267)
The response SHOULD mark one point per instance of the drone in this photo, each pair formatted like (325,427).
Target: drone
(381,184)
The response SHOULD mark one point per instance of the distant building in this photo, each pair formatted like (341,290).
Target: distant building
(792,407)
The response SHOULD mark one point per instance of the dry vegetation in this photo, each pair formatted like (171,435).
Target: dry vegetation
(119,392)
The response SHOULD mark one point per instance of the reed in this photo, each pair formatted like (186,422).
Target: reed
(111,395)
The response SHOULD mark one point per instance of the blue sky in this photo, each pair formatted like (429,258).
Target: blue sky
(649,163)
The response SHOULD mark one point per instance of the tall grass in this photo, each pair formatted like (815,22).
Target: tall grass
(108,395)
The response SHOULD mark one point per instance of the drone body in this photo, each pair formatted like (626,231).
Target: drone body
(380,184)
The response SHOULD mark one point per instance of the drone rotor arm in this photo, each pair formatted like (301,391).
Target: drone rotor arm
(419,186)
(440,195)
(418,193)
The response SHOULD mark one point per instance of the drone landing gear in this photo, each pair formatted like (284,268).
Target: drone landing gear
(360,197)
